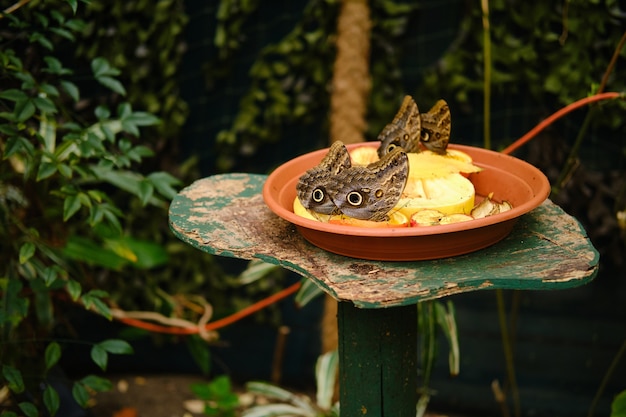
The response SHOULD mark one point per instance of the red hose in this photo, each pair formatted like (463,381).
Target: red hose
(565,110)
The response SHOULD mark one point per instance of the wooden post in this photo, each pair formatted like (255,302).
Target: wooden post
(377,361)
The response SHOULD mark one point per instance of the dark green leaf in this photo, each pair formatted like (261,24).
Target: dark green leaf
(57,16)
(76,25)
(13,145)
(14,378)
(101,67)
(618,407)
(65,170)
(92,300)
(143,151)
(147,254)
(24,110)
(27,250)
(307,292)
(124,110)
(108,133)
(73,4)
(51,400)
(112,84)
(52,355)
(96,195)
(130,127)
(45,105)
(146,190)
(70,206)
(113,219)
(102,308)
(46,169)
(80,394)
(63,33)
(163,183)
(73,288)
(96,383)
(102,113)
(139,118)
(84,199)
(116,346)
(42,40)
(100,356)
(55,66)
(200,353)
(49,275)
(49,90)
(71,89)
(28,409)
(9,130)
(13,94)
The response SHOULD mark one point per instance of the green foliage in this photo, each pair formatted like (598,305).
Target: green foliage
(218,395)
(289,78)
(61,164)
(143,42)
(432,315)
(286,403)
(555,53)
(618,407)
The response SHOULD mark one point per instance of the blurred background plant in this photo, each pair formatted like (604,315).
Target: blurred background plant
(72,155)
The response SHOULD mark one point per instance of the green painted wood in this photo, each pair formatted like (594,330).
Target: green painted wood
(225,215)
(378,361)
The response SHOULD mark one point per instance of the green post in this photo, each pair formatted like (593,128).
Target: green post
(377,361)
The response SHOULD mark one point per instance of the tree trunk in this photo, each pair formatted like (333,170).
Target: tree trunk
(351,79)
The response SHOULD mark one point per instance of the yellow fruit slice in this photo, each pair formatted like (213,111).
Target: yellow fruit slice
(363,155)
(299,209)
(455,218)
(396,219)
(450,194)
(428,164)
(426,217)
(456,154)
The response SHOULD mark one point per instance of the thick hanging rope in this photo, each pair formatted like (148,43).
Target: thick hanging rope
(351,78)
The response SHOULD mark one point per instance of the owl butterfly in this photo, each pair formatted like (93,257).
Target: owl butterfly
(313,186)
(409,128)
(370,192)
(436,125)
(404,131)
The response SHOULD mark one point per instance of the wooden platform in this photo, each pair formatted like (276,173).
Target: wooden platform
(225,215)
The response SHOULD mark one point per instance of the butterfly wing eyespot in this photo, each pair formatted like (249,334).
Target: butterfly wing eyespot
(318,195)
(370,192)
(354,198)
(391,147)
(316,184)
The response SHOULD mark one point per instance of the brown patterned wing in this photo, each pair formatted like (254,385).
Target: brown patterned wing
(313,186)
(370,192)
(404,131)
(436,125)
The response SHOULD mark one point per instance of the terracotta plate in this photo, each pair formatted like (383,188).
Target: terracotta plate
(507,177)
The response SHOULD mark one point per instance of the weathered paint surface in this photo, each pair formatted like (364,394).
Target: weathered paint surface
(225,215)
(378,357)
